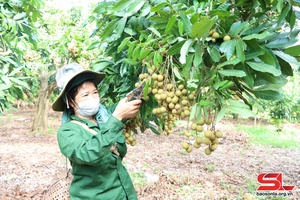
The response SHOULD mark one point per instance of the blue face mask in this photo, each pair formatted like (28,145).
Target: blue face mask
(89,107)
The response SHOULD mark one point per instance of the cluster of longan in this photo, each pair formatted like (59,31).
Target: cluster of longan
(128,130)
(211,138)
(73,49)
(173,102)
(214,34)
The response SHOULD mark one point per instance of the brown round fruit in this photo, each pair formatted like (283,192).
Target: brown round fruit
(199,140)
(185,145)
(227,38)
(214,147)
(219,134)
(193,126)
(215,35)
(197,145)
(189,149)
(199,128)
(207,141)
(207,133)
(207,151)
(187,133)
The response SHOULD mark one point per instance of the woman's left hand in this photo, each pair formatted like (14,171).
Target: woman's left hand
(127,109)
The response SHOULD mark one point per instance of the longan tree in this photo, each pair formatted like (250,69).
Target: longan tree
(197,59)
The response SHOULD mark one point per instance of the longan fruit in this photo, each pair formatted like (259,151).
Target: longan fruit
(219,134)
(207,151)
(185,145)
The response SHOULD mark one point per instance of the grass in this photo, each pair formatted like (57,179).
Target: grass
(138,178)
(269,136)
(210,167)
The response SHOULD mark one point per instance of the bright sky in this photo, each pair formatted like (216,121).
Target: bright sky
(68,4)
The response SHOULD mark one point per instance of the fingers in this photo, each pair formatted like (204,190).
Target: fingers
(127,109)
(137,102)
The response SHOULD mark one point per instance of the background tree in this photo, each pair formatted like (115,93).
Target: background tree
(33,46)
(63,39)
(226,54)
(16,33)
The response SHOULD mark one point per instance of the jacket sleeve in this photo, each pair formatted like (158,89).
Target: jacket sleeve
(79,148)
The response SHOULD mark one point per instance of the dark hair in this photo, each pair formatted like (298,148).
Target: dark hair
(72,92)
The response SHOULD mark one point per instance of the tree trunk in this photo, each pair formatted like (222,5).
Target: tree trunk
(42,103)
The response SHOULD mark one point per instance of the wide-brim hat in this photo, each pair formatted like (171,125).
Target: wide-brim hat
(69,77)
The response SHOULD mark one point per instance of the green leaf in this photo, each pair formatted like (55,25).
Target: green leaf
(177,73)
(232,72)
(287,58)
(157,59)
(101,66)
(170,24)
(281,43)
(214,53)
(198,54)
(286,68)
(102,7)
(159,6)
(283,13)
(134,8)
(245,112)
(293,50)
(271,78)
(175,49)
(153,30)
(108,30)
(202,27)
(130,61)
(205,103)
(259,36)
(180,27)
(248,78)
(240,50)
(120,7)
(19,16)
(263,67)
(186,23)
(94,45)
(291,18)
(253,53)
(268,95)
(220,85)
(144,53)
(237,103)
(228,47)
(19,82)
(222,14)
(268,57)
(221,114)
(185,49)
(120,27)
(237,28)
(123,44)
(239,107)
(145,9)
(136,53)
(229,62)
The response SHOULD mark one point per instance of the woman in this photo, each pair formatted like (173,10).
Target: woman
(91,137)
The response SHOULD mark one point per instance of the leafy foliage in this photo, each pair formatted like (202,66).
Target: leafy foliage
(225,51)
(16,32)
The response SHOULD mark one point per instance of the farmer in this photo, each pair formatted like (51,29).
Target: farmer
(91,136)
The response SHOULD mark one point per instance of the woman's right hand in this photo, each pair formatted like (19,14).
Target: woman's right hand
(127,109)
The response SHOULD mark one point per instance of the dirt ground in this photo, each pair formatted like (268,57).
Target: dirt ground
(30,163)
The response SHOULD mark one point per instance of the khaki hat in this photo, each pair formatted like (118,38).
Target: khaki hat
(70,76)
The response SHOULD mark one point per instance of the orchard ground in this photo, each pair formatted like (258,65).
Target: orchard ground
(31,162)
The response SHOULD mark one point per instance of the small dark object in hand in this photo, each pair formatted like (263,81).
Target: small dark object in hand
(137,93)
